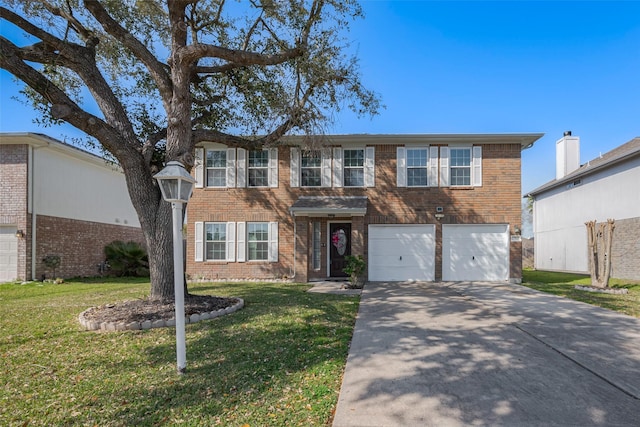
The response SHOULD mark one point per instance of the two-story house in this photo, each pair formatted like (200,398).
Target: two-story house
(58,200)
(602,188)
(416,207)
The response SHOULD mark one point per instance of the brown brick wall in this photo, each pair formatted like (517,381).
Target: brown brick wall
(13,193)
(625,250)
(497,201)
(80,244)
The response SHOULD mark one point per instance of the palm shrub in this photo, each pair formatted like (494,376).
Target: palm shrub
(127,259)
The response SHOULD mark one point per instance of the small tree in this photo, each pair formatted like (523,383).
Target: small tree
(600,241)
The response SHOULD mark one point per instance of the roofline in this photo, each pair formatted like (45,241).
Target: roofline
(526,140)
(584,170)
(39,140)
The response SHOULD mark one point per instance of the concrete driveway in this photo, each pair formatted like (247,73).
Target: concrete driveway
(486,354)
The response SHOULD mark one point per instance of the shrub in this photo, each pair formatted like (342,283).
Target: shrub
(355,269)
(127,259)
(52,262)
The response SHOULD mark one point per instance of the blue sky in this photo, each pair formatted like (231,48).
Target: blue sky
(484,67)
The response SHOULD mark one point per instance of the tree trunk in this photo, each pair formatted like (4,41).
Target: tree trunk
(600,243)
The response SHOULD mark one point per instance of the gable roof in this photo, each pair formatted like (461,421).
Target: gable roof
(619,154)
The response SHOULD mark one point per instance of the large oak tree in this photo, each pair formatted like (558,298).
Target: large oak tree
(149,79)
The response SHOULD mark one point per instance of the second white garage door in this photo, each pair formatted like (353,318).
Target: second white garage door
(475,252)
(402,252)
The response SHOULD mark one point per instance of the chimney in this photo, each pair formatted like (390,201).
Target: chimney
(567,155)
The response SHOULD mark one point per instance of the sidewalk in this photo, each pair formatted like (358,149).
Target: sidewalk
(441,354)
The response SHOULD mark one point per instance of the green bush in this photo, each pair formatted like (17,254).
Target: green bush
(127,259)
(355,269)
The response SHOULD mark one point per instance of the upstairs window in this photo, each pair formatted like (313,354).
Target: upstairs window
(353,167)
(417,162)
(460,166)
(258,168)
(311,168)
(216,168)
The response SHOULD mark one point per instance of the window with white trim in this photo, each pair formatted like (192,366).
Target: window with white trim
(258,168)
(215,241)
(417,162)
(460,166)
(216,168)
(353,166)
(311,168)
(257,241)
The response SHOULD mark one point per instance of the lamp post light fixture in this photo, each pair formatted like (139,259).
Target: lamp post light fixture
(176,185)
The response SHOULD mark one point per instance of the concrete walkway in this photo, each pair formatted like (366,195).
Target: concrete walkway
(486,354)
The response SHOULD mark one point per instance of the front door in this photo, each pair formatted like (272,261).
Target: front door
(340,247)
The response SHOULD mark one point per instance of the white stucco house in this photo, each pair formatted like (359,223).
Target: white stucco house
(602,188)
(62,201)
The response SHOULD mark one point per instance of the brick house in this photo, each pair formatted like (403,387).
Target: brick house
(602,188)
(416,207)
(58,200)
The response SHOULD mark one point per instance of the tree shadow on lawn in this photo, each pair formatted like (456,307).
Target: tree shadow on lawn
(249,358)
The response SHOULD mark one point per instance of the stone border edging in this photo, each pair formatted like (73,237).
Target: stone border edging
(148,324)
(617,291)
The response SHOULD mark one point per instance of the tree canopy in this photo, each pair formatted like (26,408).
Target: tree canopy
(149,79)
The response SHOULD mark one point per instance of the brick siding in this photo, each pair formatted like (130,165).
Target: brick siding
(625,250)
(80,245)
(496,201)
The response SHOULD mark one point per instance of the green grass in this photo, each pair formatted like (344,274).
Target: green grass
(563,284)
(279,361)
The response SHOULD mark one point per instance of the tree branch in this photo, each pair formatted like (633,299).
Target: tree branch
(63,107)
(157,70)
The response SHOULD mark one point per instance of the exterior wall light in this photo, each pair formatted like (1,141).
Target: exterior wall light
(20,234)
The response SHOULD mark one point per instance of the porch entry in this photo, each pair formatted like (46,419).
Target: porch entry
(339,248)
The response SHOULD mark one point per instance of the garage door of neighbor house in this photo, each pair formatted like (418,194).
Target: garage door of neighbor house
(475,252)
(402,252)
(8,253)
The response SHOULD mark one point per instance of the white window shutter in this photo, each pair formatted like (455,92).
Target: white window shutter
(370,167)
(295,167)
(273,242)
(326,167)
(477,166)
(198,167)
(241,237)
(241,176)
(401,167)
(231,241)
(432,167)
(199,241)
(231,167)
(337,167)
(444,166)
(273,167)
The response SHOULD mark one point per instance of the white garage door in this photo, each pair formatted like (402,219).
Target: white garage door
(8,254)
(475,252)
(402,252)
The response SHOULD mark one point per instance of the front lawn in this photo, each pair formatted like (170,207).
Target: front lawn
(562,284)
(278,361)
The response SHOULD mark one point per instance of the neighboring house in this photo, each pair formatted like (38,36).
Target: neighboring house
(603,188)
(58,200)
(416,207)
